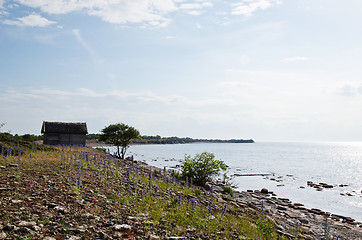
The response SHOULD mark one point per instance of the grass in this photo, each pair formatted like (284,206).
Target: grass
(131,192)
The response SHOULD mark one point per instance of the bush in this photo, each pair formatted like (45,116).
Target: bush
(202,167)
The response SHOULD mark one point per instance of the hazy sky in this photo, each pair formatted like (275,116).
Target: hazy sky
(271,70)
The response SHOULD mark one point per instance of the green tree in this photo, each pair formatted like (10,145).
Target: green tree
(119,135)
(202,167)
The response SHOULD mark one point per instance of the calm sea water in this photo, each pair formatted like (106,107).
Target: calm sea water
(292,164)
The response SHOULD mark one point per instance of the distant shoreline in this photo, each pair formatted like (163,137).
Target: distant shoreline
(96,143)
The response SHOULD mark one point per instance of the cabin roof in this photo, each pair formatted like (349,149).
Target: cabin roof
(64,127)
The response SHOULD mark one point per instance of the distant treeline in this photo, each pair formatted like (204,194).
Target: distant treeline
(19,144)
(5,136)
(175,140)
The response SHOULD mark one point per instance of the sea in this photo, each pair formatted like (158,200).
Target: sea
(286,169)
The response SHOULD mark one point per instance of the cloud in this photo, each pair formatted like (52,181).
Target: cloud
(297,58)
(190,6)
(349,90)
(33,20)
(91,52)
(194,8)
(248,7)
(194,13)
(149,12)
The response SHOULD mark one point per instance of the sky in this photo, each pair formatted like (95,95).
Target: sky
(269,70)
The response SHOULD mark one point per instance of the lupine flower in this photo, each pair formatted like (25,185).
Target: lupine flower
(156,190)
(192,201)
(262,209)
(224,210)
(211,199)
(326,229)
(179,199)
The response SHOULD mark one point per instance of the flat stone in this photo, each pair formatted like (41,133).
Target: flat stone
(303,220)
(61,209)
(123,228)
(74,238)
(281,208)
(298,204)
(26,224)
(52,205)
(154,237)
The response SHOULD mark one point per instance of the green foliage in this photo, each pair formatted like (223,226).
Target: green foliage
(101,149)
(119,135)
(266,228)
(2,125)
(91,136)
(229,190)
(202,167)
(197,192)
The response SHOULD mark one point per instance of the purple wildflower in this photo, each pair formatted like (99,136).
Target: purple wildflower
(179,199)
(156,190)
(211,199)
(192,201)
(224,210)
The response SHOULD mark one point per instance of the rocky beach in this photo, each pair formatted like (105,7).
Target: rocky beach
(86,194)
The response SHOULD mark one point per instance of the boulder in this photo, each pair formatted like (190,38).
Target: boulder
(264,190)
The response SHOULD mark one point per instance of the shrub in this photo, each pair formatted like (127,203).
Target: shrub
(202,167)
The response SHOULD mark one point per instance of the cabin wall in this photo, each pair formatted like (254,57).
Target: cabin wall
(64,139)
(51,139)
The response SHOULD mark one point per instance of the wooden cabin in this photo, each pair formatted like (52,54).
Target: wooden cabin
(64,133)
